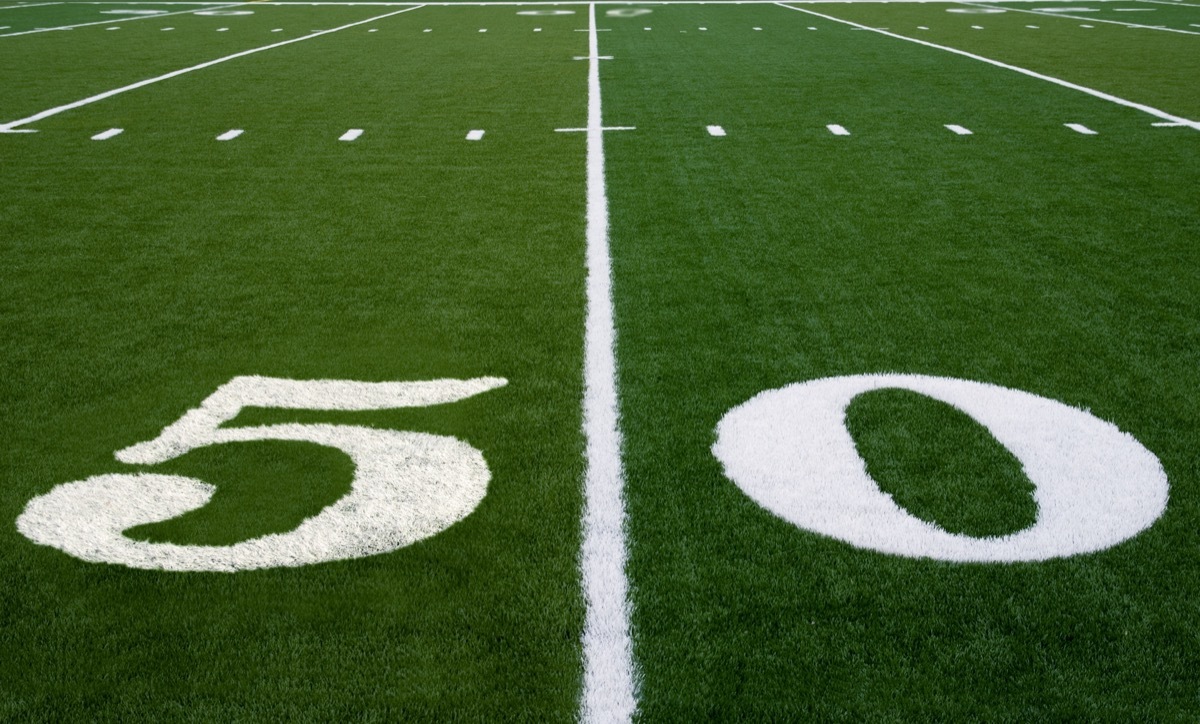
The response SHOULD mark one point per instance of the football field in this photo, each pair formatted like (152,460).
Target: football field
(810,361)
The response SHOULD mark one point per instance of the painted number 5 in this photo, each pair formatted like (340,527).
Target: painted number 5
(407,485)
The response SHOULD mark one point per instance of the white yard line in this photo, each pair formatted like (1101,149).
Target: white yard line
(1162,2)
(113,20)
(608,677)
(31,5)
(1024,71)
(7,127)
(1077,17)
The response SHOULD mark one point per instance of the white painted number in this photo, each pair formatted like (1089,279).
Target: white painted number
(407,486)
(789,450)
(628,12)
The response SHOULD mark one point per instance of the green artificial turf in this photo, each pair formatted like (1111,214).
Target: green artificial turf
(1025,255)
(143,272)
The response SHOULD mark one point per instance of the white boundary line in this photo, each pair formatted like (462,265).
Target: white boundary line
(1024,71)
(8,127)
(608,669)
(114,20)
(1076,17)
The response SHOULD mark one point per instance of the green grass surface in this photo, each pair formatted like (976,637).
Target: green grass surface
(142,272)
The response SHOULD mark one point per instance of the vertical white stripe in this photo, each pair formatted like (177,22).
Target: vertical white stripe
(608,679)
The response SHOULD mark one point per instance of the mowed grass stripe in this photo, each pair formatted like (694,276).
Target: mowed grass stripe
(1024,255)
(406,255)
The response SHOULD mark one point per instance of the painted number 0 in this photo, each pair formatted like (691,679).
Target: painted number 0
(407,486)
(789,450)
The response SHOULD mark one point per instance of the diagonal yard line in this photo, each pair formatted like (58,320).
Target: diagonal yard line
(1024,71)
(175,73)
(1076,17)
(112,21)
(31,5)
(608,678)
(1163,2)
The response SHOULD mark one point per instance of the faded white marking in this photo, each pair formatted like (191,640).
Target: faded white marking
(176,73)
(545,12)
(230,134)
(483,30)
(110,20)
(1066,13)
(959,129)
(1080,128)
(475,135)
(789,450)
(110,133)
(608,676)
(407,486)
(1024,71)
(716,131)
(351,135)
(837,130)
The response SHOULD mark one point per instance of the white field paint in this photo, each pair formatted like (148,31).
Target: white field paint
(230,134)
(104,22)
(277,30)
(167,29)
(959,129)
(483,30)
(6,127)
(1071,14)
(608,669)
(476,135)
(1133,10)
(837,130)
(113,28)
(407,486)
(545,12)
(222,13)
(716,131)
(351,135)
(133,12)
(557,3)
(222,30)
(1023,71)
(789,450)
(1080,128)
(105,135)
(628,12)
(30,5)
